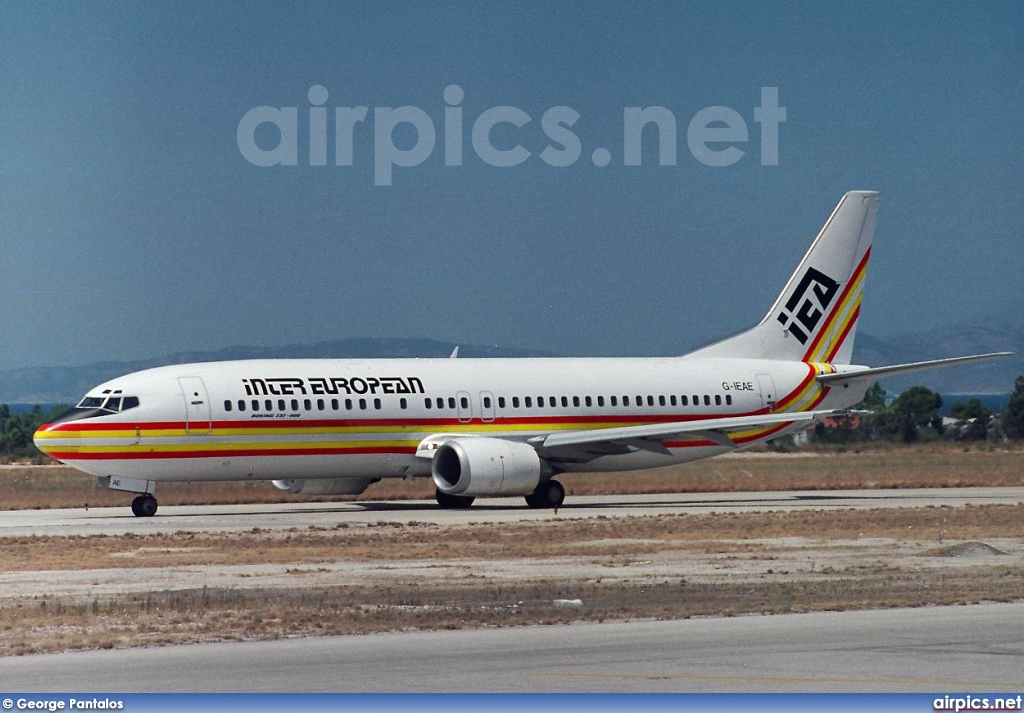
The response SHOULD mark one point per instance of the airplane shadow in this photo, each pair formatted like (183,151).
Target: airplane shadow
(384,506)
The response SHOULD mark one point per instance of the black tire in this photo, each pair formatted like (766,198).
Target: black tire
(144,506)
(453,502)
(549,495)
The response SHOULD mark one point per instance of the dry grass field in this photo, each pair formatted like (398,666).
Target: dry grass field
(60,593)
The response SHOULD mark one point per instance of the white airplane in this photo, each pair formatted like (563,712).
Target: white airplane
(488,427)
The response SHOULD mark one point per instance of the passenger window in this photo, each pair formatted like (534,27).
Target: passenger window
(661,400)
(307,404)
(718,399)
(565,401)
(728,399)
(255,405)
(319,404)
(269,405)
(487,401)
(451,402)
(515,402)
(403,403)
(362,404)
(428,403)
(377,404)
(334,404)
(501,402)
(600,401)
(528,401)
(227,405)
(672,399)
(464,402)
(707,400)
(440,402)
(650,401)
(614,401)
(241,404)
(589,401)
(576,401)
(280,405)
(625,401)
(348,404)
(696,400)
(685,400)
(295,404)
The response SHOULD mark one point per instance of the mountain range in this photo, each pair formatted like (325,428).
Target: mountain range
(49,385)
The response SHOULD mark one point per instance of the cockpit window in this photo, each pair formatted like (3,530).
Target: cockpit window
(94,406)
(110,404)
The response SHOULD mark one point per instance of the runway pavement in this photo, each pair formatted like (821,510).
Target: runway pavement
(116,521)
(935,649)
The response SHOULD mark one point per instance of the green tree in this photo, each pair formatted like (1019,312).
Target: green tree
(915,408)
(874,398)
(1013,416)
(974,418)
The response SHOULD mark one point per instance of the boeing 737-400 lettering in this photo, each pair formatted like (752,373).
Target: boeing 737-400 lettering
(488,427)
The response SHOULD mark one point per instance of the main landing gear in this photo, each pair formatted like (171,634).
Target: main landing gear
(144,506)
(548,495)
(453,502)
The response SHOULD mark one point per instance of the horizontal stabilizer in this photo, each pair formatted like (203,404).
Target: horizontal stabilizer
(883,371)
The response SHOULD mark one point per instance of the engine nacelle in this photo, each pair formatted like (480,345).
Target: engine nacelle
(486,466)
(321,486)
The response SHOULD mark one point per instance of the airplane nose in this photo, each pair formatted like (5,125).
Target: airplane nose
(43,438)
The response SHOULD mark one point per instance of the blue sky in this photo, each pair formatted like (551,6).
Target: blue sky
(132,225)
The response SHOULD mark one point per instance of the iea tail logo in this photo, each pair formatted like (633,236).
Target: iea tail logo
(804,310)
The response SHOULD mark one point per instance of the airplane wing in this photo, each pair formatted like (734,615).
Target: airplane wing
(848,377)
(585,445)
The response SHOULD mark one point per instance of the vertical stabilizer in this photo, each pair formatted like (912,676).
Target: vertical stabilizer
(815,316)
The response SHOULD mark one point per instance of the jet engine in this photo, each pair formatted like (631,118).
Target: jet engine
(335,486)
(486,466)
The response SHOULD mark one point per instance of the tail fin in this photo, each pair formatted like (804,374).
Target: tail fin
(815,316)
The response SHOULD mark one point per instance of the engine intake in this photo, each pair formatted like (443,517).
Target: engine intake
(486,466)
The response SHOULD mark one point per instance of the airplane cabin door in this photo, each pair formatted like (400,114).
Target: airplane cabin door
(197,406)
(768,395)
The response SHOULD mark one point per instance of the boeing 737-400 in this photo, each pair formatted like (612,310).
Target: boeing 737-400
(488,427)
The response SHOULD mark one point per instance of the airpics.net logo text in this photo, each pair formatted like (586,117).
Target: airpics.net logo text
(714,135)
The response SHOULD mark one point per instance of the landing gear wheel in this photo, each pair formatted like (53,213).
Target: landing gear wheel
(547,495)
(453,502)
(144,506)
